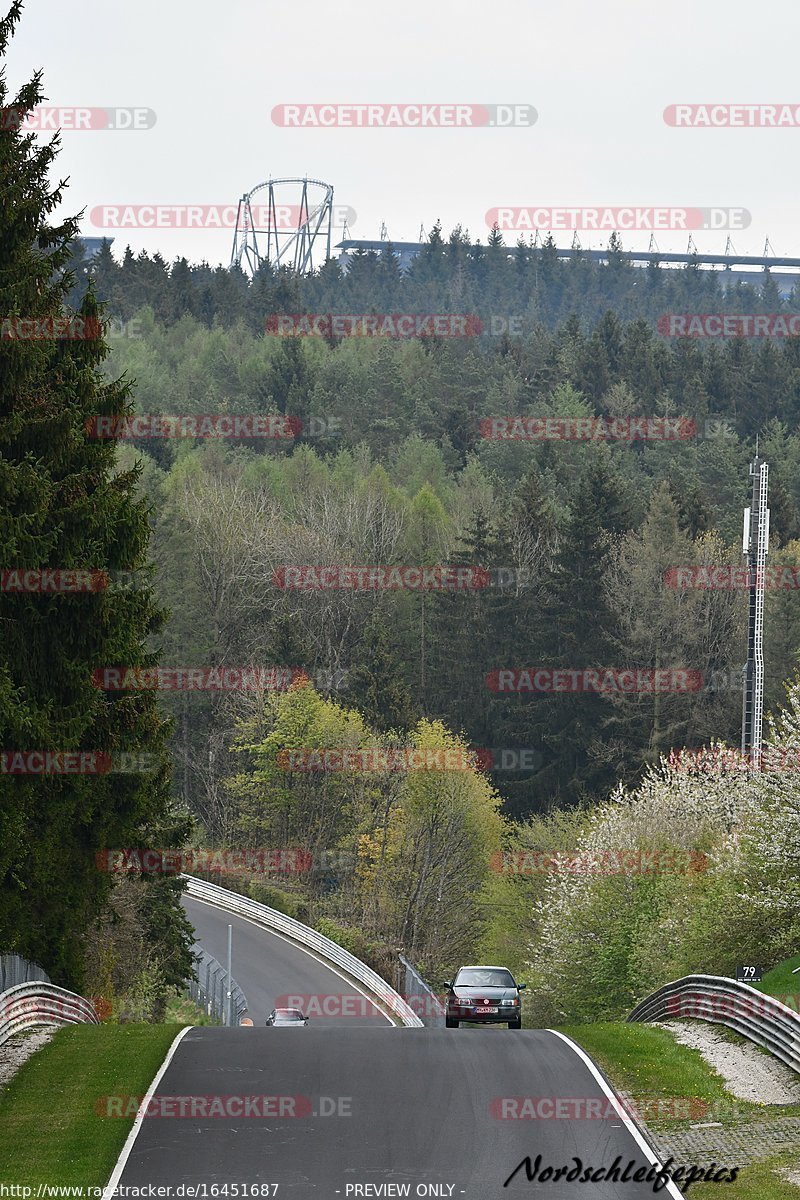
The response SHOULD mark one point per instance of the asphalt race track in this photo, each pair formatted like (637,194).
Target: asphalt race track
(361,1108)
(267,967)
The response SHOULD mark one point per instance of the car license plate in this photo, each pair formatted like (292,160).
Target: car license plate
(485,1010)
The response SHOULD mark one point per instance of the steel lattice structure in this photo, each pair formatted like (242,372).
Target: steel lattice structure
(755,544)
(293,220)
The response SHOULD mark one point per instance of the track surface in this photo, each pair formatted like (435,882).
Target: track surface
(267,967)
(419,1113)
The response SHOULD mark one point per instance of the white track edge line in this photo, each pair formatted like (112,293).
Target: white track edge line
(124,1154)
(374,1000)
(629,1123)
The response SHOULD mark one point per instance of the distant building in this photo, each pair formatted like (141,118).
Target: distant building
(406,252)
(92,245)
(783,276)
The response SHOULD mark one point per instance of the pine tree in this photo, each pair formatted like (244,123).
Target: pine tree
(376,684)
(529,533)
(576,631)
(105,274)
(62,506)
(464,629)
(182,291)
(426,540)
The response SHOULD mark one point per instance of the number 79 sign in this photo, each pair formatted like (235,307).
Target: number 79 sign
(748,974)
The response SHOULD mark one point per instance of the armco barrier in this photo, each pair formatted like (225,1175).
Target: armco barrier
(389,1000)
(754,1015)
(30,1004)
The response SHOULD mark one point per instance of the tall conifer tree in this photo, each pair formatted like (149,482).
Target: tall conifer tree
(62,506)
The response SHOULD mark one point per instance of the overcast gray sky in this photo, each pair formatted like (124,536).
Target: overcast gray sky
(598,74)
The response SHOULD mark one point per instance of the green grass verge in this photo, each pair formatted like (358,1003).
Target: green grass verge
(49,1130)
(757,1181)
(781,982)
(648,1063)
(645,1062)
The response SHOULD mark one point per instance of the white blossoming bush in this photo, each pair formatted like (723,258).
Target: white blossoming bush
(770,839)
(693,871)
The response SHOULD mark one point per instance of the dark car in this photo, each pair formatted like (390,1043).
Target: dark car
(485,994)
(287,1016)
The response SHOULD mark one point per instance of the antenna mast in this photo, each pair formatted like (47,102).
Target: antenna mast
(755,544)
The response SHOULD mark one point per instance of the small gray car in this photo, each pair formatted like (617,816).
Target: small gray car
(287,1016)
(488,995)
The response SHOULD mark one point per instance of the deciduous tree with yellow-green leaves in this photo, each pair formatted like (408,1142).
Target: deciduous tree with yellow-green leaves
(412,816)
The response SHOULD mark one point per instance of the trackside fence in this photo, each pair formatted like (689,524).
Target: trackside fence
(419,996)
(14,970)
(209,989)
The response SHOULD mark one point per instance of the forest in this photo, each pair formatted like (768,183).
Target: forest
(577,542)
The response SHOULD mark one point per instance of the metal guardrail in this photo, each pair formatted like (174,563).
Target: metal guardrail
(753,1014)
(422,999)
(209,989)
(270,918)
(30,1004)
(14,969)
